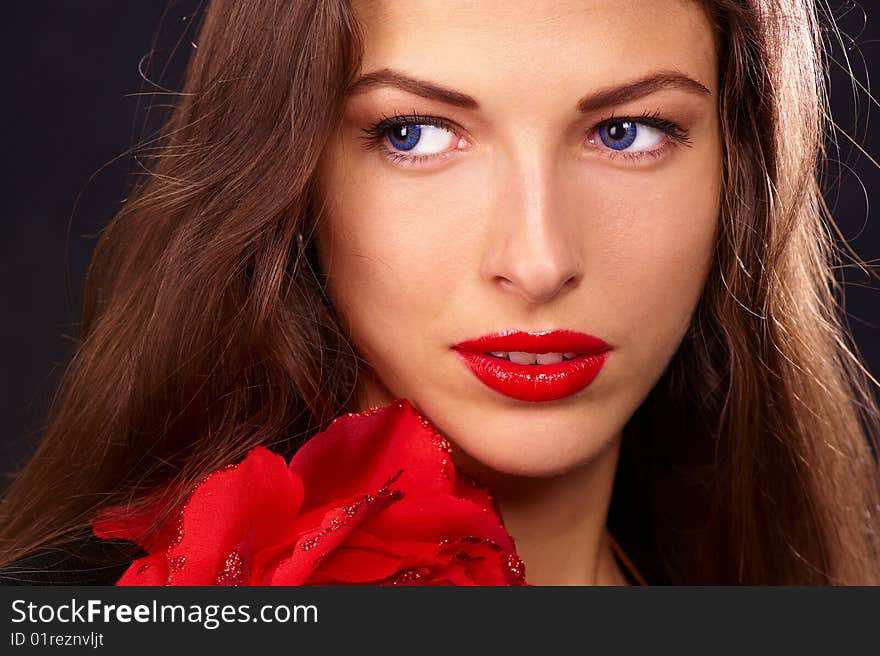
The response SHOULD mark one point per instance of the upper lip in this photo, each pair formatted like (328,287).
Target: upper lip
(545,341)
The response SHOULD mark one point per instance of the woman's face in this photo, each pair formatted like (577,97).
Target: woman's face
(545,167)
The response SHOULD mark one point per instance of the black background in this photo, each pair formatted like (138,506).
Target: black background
(73,104)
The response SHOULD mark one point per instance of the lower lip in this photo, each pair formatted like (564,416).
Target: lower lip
(534,382)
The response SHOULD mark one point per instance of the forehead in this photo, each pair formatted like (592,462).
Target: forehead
(513,50)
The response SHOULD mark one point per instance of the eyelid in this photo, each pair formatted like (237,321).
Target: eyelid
(388,122)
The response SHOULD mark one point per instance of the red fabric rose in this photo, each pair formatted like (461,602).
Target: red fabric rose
(375,499)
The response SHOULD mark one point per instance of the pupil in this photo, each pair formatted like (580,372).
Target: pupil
(405,136)
(619,135)
(617,131)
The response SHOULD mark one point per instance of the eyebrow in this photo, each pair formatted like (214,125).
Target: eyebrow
(591,102)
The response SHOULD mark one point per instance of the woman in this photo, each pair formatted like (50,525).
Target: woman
(357,204)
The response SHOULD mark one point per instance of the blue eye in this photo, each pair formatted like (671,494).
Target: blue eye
(405,136)
(618,135)
(413,138)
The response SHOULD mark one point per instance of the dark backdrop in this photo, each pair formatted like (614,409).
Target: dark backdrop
(71,109)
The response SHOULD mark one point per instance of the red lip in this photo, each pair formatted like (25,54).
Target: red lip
(535,382)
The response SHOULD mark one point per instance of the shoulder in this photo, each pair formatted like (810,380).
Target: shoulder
(83,561)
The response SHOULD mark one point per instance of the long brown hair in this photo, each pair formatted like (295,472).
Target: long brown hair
(206,330)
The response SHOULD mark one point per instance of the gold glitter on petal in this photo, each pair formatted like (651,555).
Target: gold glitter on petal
(514,569)
(441,443)
(175,564)
(233,571)
(412,576)
(445,468)
(310,543)
(369,412)
(348,512)
(178,532)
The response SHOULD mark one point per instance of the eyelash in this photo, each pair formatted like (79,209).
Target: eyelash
(375,136)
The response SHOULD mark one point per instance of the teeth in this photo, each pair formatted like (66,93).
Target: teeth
(521,357)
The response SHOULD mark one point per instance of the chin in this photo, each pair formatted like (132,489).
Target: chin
(502,439)
(481,461)
(525,441)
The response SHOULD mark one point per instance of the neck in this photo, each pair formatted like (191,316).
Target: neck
(559,523)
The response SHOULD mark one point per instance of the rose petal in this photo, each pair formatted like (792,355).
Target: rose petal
(364,558)
(313,546)
(257,500)
(382,505)
(360,452)
(436,518)
(350,565)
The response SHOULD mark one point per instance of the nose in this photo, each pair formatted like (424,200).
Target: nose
(532,250)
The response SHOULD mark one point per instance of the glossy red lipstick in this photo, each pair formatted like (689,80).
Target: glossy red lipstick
(535,382)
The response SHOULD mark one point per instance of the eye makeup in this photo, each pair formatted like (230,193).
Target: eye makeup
(671,133)
(378,136)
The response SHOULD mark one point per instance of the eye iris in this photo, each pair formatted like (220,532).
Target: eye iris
(618,135)
(404,137)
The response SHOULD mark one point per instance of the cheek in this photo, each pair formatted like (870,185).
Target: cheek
(650,262)
(397,251)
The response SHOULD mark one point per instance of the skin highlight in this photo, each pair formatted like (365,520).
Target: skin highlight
(526,220)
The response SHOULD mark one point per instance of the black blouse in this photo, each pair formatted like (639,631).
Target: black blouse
(85,561)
